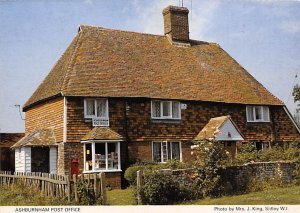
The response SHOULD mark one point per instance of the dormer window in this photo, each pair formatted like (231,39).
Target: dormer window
(165,109)
(97,110)
(258,114)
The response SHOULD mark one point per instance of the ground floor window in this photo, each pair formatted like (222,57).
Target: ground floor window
(262,145)
(165,150)
(100,156)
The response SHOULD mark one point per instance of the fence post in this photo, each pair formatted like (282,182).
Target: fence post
(103,188)
(139,183)
(75,187)
(43,184)
(68,188)
(96,187)
(9,179)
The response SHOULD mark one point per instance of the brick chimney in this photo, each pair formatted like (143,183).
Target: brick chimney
(176,23)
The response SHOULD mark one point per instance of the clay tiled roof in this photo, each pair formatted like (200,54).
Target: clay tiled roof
(8,139)
(102,133)
(211,129)
(39,137)
(113,63)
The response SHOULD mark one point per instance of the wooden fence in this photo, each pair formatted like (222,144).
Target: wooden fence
(60,186)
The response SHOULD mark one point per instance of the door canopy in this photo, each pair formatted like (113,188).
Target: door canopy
(220,129)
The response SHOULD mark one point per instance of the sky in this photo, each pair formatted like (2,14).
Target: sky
(263,36)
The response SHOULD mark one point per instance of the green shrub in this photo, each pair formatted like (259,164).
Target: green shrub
(86,196)
(256,184)
(130,172)
(159,189)
(211,157)
(296,174)
(274,154)
(246,154)
(292,153)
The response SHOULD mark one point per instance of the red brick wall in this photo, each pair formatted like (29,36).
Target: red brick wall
(45,115)
(74,151)
(176,23)
(9,139)
(77,127)
(284,131)
(66,153)
(113,179)
(142,130)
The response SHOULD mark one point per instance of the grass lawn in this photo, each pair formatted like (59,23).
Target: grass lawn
(17,196)
(120,197)
(288,195)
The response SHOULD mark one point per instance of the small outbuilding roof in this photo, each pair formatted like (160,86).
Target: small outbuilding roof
(38,137)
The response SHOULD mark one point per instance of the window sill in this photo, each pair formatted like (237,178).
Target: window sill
(258,121)
(99,171)
(91,119)
(164,120)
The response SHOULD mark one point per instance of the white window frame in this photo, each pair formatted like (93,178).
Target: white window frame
(254,113)
(161,152)
(106,157)
(170,108)
(95,105)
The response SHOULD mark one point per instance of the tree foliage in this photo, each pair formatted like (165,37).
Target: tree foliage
(296,94)
(210,157)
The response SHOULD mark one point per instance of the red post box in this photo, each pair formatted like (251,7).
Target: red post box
(74,169)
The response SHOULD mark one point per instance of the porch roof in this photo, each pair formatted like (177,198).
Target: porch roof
(38,137)
(215,130)
(102,133)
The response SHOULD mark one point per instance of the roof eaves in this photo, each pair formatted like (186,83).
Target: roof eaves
(70,64)
(26,107)
(178,99)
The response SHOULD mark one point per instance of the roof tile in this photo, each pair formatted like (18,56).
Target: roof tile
(102,133)
(38,137)
(113,63)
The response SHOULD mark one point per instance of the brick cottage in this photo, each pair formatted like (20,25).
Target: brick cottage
(116,97)
(7,156)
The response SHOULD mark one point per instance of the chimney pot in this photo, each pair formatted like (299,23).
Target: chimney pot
(176,23)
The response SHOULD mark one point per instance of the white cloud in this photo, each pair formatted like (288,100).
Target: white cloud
(150,16)
(201,16)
